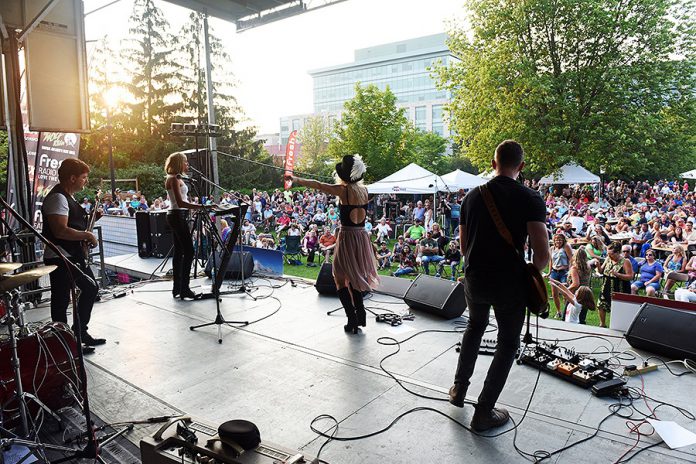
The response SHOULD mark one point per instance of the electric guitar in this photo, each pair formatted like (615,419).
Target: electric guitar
(86,246)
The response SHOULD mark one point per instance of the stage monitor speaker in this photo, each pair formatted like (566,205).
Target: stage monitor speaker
(142,232)
(160,234)
(440,297)
(234,266)
(393,286)
(325,282)
(664,331)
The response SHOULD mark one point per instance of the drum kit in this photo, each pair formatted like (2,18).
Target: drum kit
(48,370)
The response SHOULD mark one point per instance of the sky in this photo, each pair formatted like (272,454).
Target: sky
(271,62)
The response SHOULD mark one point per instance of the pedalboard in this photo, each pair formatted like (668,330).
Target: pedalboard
(566,364)
(195,442)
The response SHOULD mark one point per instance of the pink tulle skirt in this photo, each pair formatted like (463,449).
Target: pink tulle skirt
(355,259)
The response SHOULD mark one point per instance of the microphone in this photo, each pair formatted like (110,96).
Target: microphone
(186,178)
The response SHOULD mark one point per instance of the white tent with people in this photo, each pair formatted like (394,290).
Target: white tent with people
(459,179)
(571,173)
(688,174)
(409,180)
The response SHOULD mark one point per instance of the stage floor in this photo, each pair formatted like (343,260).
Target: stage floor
(296,363)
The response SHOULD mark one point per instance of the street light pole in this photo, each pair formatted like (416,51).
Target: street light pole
(111,154)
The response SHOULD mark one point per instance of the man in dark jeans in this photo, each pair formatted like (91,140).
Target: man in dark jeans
(494,276)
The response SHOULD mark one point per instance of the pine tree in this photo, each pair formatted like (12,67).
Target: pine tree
(149,58)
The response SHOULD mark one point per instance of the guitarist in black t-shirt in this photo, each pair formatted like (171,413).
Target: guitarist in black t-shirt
(494,276)
(66,225)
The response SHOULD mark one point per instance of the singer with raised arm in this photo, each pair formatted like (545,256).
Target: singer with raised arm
(176,167)
(354,264)
(66,224)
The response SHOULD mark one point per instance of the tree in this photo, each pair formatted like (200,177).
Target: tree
(605,83)
(153,71)
(372,126)
(193,79)
(428,149)
(314,155)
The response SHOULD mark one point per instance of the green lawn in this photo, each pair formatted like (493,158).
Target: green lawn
(311,273)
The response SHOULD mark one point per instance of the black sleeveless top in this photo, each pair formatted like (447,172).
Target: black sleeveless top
(345,215)
(77,219)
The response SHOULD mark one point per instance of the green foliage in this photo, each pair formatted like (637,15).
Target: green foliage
(605,83)
(236,173)
(374,127)
(314,156)
(427,149)
(150,63)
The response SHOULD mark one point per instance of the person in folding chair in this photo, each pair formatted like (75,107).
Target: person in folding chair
(496,220)
(354,264)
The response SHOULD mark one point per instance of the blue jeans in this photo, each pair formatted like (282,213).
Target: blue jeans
(510,318)
(403,270)
(425,260)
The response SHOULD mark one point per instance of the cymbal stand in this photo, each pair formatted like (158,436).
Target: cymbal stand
(242,287)
(34,447)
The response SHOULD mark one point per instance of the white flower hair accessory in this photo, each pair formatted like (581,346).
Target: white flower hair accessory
(358,170)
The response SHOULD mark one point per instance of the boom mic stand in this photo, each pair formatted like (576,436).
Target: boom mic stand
(91,450)
(242,287)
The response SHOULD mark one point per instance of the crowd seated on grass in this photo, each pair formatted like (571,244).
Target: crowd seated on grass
(652,222)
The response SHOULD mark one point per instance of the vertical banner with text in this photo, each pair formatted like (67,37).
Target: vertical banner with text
(290,158)
(45,153)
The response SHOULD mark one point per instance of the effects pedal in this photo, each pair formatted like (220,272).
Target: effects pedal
(608,387)
(567,368)
(553,365)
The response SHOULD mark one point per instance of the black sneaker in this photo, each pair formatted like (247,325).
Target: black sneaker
(88,340)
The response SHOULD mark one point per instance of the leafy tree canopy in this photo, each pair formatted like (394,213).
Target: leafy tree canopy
(606,83)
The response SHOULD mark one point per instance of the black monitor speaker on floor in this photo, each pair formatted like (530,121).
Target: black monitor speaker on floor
(664,331)
(440,297)
(234,266)
(325,282)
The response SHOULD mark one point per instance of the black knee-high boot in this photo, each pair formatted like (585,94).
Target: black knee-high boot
(359,307)
(344,296)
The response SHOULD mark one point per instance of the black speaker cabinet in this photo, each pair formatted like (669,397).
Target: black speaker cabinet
(440,297)
(234,266)
(664,331)
(160,234)
(142,232)
(325,282)
(393,286)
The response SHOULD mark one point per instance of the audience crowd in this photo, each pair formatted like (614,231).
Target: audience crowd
(625,236)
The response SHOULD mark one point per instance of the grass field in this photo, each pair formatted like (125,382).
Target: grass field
(311,273)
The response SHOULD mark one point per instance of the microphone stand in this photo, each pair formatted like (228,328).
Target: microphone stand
(215,290)
(91,450)
(242,288)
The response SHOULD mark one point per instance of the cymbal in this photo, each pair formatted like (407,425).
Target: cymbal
(17,280)
(9,267)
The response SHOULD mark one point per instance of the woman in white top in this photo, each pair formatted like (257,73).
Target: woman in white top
(177,218)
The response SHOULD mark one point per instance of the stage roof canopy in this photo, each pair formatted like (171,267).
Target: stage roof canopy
(253,13)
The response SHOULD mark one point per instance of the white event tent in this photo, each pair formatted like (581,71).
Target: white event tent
(688,174)
(409,180)
(571,173)
(459,179)
(486,175)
